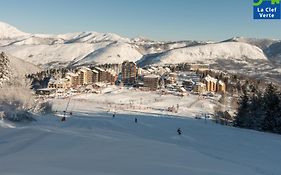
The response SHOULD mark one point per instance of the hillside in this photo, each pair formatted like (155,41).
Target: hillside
(207,54)
(92,142)
(271,48)
(14,68)
(114,53)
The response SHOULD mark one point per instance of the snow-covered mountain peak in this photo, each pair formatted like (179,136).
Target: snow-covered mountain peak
(141,39)
(92,37)
(259,42)
(8,31)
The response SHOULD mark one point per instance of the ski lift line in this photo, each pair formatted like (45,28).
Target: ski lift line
(73,106)
(67,105)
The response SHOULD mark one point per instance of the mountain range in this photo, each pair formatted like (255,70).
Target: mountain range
(259,57)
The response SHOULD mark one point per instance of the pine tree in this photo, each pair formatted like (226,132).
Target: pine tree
(256,111)
(241,119)
(278,118)
(272,108)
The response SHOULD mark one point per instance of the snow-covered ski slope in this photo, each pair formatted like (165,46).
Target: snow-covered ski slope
(95,143)
(91,141)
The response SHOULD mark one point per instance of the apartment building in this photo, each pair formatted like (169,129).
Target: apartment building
(151,82)
(129,72)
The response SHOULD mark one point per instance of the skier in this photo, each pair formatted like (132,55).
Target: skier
(179,131)
(63,118)
(113,115)
(136,120)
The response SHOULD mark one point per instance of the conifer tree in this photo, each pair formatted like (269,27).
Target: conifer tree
(256,111)
(272,108)
(242,112)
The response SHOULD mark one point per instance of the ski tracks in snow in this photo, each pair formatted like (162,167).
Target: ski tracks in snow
(20,140)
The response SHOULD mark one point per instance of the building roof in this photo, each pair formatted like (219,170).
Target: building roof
(221,82)
(71,74)
(99,69)
(150,70)
(167,69)
(142,71)
(86,68)
(112,72)
(95,71)
(59,81)
(209,78)
(188,80)
(128,62)
(151,76)
(83,70)
(200,84)
(182,89)
(68,77)
(52,79)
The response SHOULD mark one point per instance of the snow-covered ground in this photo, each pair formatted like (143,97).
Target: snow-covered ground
(91,141)
(116,99)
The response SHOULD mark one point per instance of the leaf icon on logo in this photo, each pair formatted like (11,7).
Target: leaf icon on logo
(258,3)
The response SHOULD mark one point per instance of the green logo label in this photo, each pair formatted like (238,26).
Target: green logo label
(259,2)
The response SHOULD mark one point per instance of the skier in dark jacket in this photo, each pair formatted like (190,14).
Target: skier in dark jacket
(179,131)
(63,119)
(136,120)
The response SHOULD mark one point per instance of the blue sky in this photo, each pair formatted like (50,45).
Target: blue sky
(155,19)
